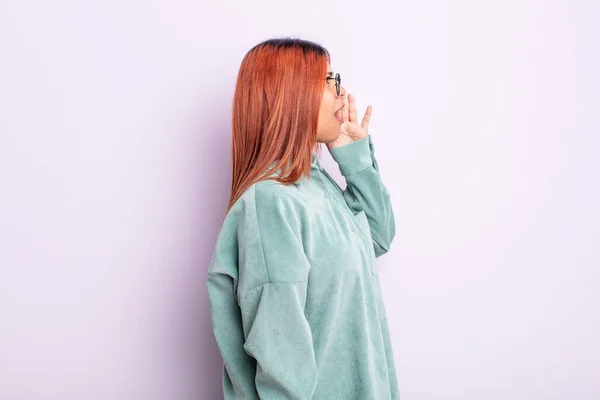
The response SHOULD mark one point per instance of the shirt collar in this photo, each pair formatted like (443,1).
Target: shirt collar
(315,160)
(314,164)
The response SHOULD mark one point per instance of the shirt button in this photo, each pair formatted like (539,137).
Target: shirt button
(327,195)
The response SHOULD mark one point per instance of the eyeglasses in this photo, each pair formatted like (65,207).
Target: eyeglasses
(338,83)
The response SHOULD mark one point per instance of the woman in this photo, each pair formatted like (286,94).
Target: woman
(293,289)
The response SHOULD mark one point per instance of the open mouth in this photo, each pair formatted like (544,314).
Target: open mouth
(338,115)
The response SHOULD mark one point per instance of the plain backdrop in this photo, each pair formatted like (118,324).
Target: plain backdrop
(114,179)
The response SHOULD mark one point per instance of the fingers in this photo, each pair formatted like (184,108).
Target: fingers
(345,111)
(350,114)
(352,117)
(367,118)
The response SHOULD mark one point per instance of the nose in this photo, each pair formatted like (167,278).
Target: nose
(342,92)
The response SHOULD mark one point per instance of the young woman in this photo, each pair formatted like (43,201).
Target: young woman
(294,293)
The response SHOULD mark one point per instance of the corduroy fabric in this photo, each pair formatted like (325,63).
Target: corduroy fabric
(293,288)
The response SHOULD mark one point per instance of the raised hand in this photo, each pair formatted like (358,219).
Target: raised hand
(350,130)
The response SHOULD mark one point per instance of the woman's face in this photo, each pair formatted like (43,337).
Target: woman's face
(330,114)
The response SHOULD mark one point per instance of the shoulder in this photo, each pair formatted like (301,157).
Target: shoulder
(262,229)
(267,197)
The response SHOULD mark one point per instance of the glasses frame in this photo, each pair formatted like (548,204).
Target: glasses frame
(338,82)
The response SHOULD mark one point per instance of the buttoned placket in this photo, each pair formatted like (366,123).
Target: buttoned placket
(360,238)
(328,191)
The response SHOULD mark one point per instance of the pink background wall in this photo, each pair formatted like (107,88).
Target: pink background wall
(114,176)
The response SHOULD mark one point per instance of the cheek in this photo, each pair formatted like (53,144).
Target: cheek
(328,101)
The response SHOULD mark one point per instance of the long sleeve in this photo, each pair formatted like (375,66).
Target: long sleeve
(238,369)
(280,340)
(366,191)
(257,305)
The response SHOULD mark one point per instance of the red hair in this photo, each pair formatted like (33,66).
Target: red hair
(276,105)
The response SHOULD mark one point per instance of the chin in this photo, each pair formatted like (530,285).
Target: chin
(329,138)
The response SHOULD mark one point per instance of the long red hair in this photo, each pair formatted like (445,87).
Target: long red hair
(276,105)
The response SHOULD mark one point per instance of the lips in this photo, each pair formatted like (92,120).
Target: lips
(338,115)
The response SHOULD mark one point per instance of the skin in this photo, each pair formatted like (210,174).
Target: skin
(333,132)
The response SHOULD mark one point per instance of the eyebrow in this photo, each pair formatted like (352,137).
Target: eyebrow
(330,73)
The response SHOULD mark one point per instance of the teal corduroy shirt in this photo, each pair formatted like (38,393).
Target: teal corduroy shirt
(293,288)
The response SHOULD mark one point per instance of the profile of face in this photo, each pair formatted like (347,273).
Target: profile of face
(330,112)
